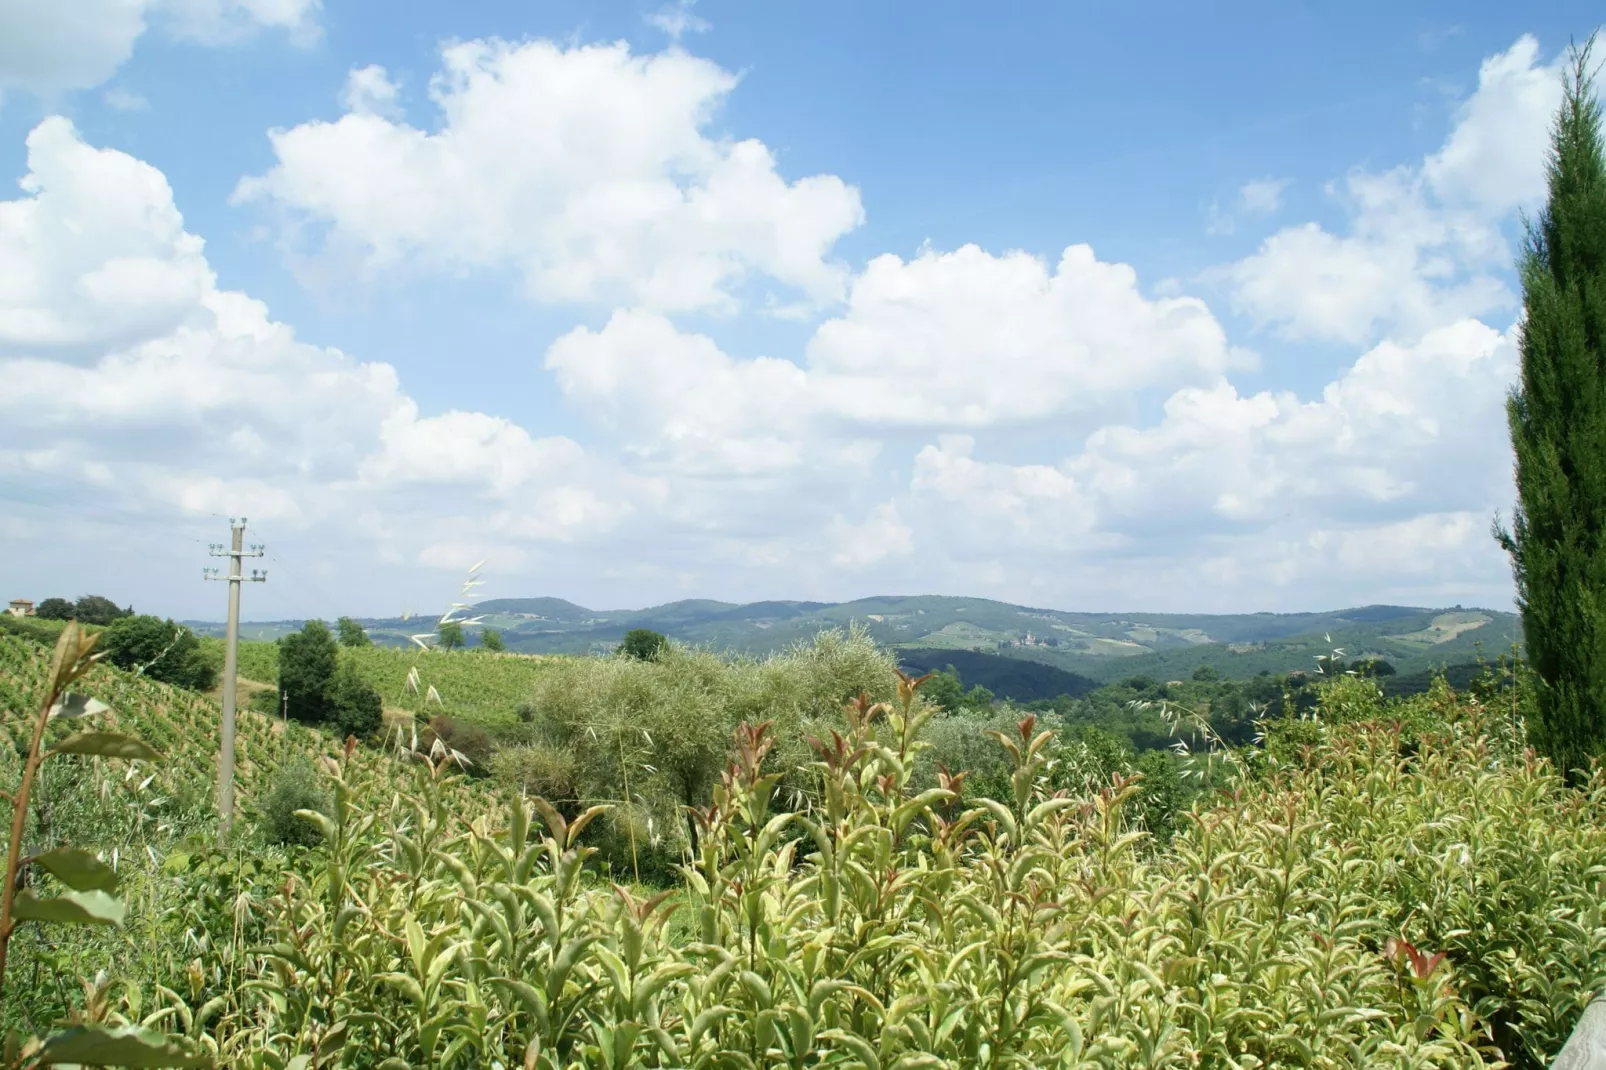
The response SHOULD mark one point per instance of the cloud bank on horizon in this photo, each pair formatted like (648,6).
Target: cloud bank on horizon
(948,420)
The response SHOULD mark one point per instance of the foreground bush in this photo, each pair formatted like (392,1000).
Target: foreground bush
(1379,885)
(293,788)
(649,737)
(1389,893)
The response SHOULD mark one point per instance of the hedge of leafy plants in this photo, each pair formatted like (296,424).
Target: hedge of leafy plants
(1371,884)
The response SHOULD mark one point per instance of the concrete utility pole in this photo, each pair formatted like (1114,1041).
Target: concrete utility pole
(231,664)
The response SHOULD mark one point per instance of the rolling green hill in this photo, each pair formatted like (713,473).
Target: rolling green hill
(1100,646)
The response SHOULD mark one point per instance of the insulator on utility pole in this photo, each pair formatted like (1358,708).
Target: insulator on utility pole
(231,664)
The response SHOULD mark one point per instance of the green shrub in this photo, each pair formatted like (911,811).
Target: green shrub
(961,745)
(1161,795)
(294,787)
(469,740)
(643,644)
(355,708)
(264,700)
(664,726)
(551,771)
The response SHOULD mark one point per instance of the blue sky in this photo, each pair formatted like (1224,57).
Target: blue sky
(765,301)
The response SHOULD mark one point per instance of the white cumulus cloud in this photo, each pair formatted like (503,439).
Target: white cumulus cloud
(960,420)
(589,170)
(1424,245)
(963,339)
(972,339)
(128,369)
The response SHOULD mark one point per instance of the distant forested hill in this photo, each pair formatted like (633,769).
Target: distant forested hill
(940,630)
(1011,678)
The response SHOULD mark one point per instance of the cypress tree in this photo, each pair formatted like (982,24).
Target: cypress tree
(1557,417)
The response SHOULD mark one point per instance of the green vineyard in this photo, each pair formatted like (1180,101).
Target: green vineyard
(183,725)
(480,687)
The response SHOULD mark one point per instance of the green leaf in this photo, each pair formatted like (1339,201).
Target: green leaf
(73,704)
(78,869)
(107,745)
(406,985)
(97,1045)
(79,908)
(325,825)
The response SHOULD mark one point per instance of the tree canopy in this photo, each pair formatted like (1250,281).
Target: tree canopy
(319,687)
(307,663)
(54,609)
(161,649)
(89,609)
(351,633)
(643,644)
(354,707)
